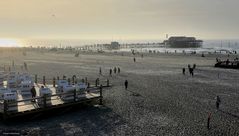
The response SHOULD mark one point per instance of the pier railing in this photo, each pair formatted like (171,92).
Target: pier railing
(42,103)
(72,80)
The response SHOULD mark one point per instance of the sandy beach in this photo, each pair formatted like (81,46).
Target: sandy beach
(160,100)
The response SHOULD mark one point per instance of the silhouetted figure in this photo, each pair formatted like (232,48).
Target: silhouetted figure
(203,55)
(110,72)
(126,84)
(189,66)
(115,70)
(208,120)
(184,71)
(25,66)
(118,70)
(100,72)
(134,60)
(191,71)
(33,92)
(194,66)
(218,101)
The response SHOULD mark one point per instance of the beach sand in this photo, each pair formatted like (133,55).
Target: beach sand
(160,100)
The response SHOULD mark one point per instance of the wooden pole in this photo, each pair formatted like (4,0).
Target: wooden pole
(101,96)
(76,80)
(44,101)
(98,81)
(5,108)
(73,80)
(36,79)
(44,80)
(86,80)
(69,81)
(54,82)
(96,84)
(108,83)
(75,95)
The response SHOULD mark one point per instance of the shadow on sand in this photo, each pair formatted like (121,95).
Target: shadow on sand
(230,114)
(88,120)
(134,93)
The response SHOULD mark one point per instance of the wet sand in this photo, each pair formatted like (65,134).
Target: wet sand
(160,100)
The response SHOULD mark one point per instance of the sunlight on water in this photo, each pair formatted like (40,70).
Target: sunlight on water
(9,43)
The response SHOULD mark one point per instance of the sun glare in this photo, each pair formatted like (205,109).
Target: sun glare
(9,43)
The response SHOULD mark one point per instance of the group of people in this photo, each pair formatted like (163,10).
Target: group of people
(115,70)
(190,69)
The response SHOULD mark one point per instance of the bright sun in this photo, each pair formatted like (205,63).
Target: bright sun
(9,43)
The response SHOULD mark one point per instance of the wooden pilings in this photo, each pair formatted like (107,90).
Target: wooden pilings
(97,82)
(54,82)
(86,80)
(72,81)
(69,81)
(108,83)
(101,95)
(75,95)
(44,100)
(36,79)
(44,80)
(5,109)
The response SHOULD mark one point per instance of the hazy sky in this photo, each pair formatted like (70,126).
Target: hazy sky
(123,19)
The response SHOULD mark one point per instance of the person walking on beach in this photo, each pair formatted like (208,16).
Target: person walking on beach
(191,71)
(126,84)
(25,66)
(33,92)
(115,70)
(189,66)
(110,72)
(218,101)
(134,60)
(208,120)
(183,71)
(118,70)
(100,72)
(194,66)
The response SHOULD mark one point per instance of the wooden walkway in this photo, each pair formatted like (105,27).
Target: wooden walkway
(27,105)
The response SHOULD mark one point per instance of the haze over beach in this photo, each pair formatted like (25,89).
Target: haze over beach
(118,19)
(119,67)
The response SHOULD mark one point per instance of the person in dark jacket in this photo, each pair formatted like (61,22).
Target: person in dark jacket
(110,72)
(126,84)
(218,101)
(33,92)
(184,71)
(118,70)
